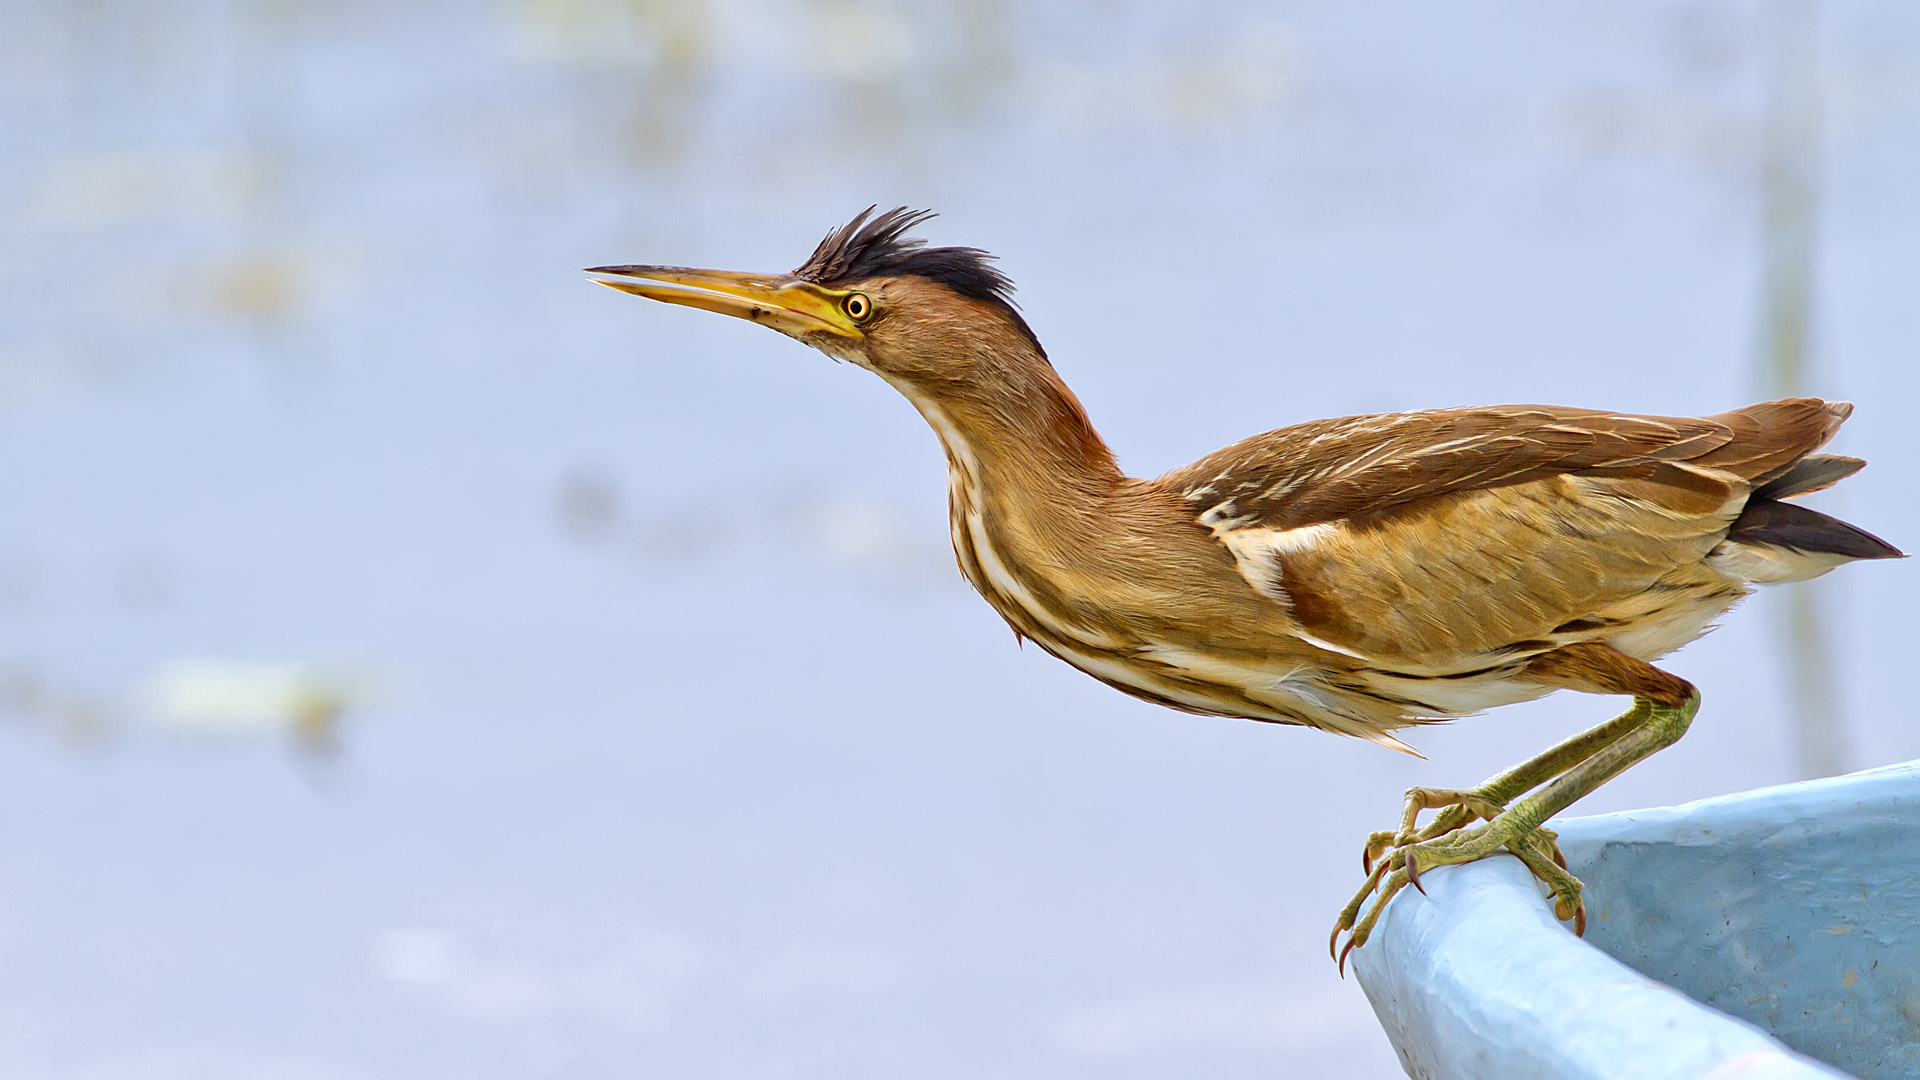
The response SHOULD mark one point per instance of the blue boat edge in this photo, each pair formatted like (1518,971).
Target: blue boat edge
(1768,933)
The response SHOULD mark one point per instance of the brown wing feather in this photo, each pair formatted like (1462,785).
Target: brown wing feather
(1455,582)
(1771,436)
(1331,470)
(1450,540)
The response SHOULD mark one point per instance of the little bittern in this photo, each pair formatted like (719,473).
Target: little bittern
(1355,575)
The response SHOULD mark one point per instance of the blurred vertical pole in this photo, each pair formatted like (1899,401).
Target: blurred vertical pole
(1790,154)
(265,293)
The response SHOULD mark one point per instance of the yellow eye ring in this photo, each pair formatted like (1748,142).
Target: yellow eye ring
(857,306)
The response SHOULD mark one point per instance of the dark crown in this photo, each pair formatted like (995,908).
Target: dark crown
(880,247)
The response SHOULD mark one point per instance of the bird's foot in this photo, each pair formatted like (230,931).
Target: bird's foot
(1394,860)
(1459,809)
(1513,817)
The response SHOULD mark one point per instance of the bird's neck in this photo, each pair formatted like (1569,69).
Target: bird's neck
(1025,448)
(1030,489)
(1043,519)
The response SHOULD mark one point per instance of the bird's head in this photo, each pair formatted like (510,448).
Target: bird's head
(933,321)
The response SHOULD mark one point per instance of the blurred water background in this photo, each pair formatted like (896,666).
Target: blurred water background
(418,662)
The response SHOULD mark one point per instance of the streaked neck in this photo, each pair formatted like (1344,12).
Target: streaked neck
(1031,439)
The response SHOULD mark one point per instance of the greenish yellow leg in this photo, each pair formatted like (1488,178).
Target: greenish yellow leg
(1528,775)
(1571,770)
(1542,856)
(1662,728)
(1465,807)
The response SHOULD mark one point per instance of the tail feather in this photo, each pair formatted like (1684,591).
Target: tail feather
(1816,472)
(1779,524)
(1773,447)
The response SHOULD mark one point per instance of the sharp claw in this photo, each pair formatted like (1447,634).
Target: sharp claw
(1413,873)
(1366,860)
(1333,942)
(1343,958)
(1559,858)
(1580,921)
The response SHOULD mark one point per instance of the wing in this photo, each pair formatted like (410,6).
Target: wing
(1335,469)
(1431,541)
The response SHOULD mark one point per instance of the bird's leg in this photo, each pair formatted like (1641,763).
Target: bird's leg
(1518,827)
(1485,802)
(1390,875)
(1663,708)
(1663,727)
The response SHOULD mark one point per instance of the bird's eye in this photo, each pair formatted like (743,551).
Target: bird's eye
(858,307)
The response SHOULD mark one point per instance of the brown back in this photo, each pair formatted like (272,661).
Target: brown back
(1328,470)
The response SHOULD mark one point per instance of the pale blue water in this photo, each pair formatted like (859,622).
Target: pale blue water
(682,750)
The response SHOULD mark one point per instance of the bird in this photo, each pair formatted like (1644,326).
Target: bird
(1359,575)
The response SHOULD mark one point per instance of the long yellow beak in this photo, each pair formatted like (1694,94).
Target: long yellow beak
(786,304)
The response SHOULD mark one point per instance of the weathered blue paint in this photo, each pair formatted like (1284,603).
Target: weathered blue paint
(1795,909)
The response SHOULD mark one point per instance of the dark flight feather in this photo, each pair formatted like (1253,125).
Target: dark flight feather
(1786,525)
(1817,472)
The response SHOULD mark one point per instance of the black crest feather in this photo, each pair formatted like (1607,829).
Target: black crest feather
(870,247)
